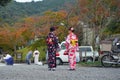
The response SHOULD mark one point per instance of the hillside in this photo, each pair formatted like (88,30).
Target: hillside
(14,11)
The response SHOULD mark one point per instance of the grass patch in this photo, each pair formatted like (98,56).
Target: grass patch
(90,64)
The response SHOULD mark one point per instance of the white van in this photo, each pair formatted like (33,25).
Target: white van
(88,54)
(85,53)
(61,57)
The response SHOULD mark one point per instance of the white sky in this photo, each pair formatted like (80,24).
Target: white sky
(27,0)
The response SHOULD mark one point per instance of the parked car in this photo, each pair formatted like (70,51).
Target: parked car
(85,53)
(63,58)
(88,54)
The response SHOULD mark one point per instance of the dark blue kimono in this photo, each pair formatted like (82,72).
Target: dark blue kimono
(52,45)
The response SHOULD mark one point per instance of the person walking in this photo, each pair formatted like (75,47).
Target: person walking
(52,45)
(36,56)
(71,48)
(28,57)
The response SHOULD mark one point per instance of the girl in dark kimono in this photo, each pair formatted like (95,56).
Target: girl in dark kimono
(52,45)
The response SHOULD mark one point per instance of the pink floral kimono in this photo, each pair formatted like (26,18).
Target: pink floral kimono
(71,47)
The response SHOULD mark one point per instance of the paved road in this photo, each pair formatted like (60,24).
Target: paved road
(35,72)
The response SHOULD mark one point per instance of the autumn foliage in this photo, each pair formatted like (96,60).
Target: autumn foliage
(12,37)
(98,14)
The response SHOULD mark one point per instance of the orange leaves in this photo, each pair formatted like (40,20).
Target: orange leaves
(82,3)
(61,14)
(55,16)
(6,34)
(15,36)
(73,20)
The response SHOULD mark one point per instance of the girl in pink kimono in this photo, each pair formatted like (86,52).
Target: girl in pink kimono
(71,47)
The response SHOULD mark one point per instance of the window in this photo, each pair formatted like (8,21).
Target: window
(85,49)
(63,46)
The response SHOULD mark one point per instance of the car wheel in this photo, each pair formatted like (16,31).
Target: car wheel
(58,61)
(89,59)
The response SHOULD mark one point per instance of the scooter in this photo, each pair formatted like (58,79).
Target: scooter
(112,58)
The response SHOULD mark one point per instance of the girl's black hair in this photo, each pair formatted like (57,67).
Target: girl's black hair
(71,29)
(52,29)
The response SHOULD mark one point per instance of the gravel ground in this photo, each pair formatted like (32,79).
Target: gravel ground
(36,72)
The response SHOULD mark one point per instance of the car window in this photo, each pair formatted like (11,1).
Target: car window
(63,46)
(85,49)
(118,46)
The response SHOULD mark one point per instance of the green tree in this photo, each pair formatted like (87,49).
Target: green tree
(4,2)
(98,14)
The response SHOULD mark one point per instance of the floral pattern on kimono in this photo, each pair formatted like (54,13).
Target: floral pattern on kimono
(52,45)
(71,46)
